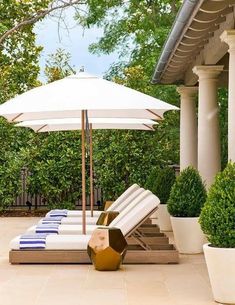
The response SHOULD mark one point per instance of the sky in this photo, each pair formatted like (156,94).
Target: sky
(76,42)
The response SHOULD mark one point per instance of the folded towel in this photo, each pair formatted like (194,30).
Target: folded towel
(47,228)
(57,213)
(52,220)
(33,241)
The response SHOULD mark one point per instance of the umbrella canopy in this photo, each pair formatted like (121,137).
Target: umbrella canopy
(97,123)
(68,97)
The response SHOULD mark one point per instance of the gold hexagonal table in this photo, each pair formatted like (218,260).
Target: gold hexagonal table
(107,248)
(106,218)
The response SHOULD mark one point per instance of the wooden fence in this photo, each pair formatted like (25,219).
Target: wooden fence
(38,201)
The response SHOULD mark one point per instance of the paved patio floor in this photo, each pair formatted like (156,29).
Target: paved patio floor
(183,284)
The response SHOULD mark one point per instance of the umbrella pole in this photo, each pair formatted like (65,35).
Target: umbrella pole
(83,175)
(91,173)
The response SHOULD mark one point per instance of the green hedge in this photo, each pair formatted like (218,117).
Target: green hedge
(187,195)
(217,218)
(160,182)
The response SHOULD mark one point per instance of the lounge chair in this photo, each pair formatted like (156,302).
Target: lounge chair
(120,199)
(77,229)
(93,220)
(72,248)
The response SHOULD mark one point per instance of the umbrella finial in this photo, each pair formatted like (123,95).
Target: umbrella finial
(82,69)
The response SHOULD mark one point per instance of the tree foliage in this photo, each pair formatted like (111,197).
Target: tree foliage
(58,66)
(19,71)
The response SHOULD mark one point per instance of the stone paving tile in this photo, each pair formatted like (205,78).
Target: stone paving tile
(184,284)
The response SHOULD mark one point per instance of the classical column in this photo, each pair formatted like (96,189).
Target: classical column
(229,37)
(188,127)
(209,157)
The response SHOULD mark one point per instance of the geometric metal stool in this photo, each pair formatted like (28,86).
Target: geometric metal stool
(106,218)
(107,248)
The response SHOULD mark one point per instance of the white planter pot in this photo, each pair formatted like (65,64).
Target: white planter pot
(221,268)
(189,238)
(164,218)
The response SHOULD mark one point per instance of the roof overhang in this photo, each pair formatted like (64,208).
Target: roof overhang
(196,29)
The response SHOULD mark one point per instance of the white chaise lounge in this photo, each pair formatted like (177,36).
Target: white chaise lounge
(120,199)
(77,229)
(92,220)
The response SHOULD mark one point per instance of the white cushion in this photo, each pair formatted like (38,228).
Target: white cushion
(75,213)
(76,220)
(67,229)
(136,215)
(67,242)
(59,242)
(127,210)
(129,200)
(123,197)
(79,213)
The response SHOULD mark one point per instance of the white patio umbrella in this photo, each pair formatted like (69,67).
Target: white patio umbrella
(49,125)
(76,95)
(69,96)
(94,123)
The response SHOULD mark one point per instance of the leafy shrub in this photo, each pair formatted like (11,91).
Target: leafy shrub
(55,167)
(10,179)
(69,205)
(217,218)
(187,195)
(160,182)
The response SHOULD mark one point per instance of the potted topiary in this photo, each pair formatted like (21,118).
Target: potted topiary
(186,200)
(160,182)
(217,220)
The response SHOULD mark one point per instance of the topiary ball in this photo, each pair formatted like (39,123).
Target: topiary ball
(187,195)
(217,218)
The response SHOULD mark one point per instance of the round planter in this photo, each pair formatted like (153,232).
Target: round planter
(189,238)
(221,268)
(164,218)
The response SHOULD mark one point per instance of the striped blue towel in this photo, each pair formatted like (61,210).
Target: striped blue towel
(52,220)
(49,229)
(57,213)
(33,241)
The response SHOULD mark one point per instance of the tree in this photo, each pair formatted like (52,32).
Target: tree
(136,29)
(19,70)
(33,11)
(58,66)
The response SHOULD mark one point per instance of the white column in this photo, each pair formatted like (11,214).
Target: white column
(209,156)
(229,38)
(188,127)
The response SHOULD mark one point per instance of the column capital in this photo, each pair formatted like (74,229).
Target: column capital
(185,91)
(228,36)
(208,71)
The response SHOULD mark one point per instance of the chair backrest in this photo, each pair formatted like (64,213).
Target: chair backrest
(129,200)
(124,213)
(139,212)
(123,197)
